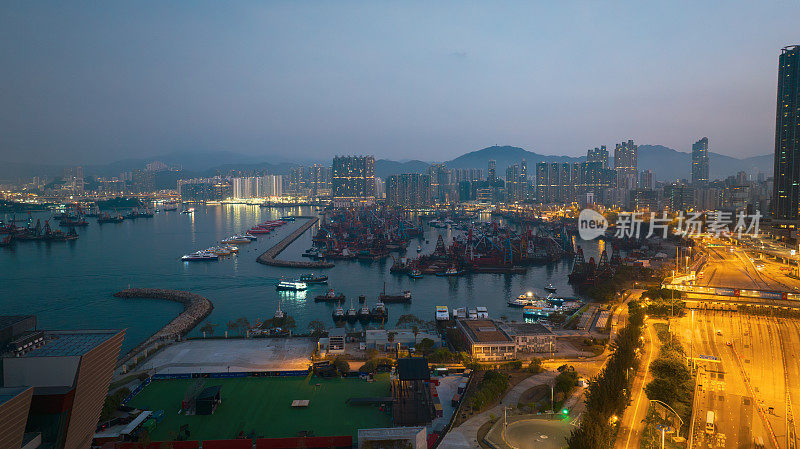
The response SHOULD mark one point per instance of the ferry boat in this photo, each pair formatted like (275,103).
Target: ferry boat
(525,299)
(233,249)
(379,312)
(291,286)
(310,278)
(237,239)
(200,256)
(415,274)
(220,250)
(249,236)
(330,296)
(338,313)
(550,288)
(442,314)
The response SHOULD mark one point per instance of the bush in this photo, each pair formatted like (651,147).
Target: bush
(376,365)
(492,386)
(443,355)
(113,401)
(535,366)
(341,365)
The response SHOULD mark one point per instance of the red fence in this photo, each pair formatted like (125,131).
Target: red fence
(307,442)
(228,444)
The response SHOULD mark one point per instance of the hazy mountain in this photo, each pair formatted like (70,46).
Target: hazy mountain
(667,163)
(670,165)
(385,167)
(505,156)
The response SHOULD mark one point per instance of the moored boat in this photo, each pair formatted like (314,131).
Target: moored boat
(330,296)
(291,286)
(310,278)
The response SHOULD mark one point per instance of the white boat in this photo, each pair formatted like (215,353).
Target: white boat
(472,314)
(460,312)
(200,256)
(219,250)
(550,288)
(482,313)
(442,314)
(291,286)
(249,236)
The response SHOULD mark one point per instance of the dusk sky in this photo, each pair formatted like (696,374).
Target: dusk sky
(86,82)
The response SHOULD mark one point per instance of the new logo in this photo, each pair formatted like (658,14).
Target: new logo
(591,224)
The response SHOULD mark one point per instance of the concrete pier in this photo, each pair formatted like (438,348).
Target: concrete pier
(269,256)
(195,309)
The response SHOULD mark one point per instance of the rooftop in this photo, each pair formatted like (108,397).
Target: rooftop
(484,331)
(8,393)
(70,343)
(528,328)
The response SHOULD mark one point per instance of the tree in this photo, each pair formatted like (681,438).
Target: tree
(207,328)
(535,366)
(390,336)
(232,325)
(317,328)
(341,365)
(242,325)
(425,346)
(415,330)
(409,320)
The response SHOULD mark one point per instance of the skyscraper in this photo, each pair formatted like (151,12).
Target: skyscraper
(647,180)
(353,177)
(492,173)
(626,165)
(786,197)
(598,155)
(700,163)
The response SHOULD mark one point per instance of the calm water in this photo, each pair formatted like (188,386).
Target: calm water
(69,285)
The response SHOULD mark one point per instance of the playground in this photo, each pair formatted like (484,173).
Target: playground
(262,407)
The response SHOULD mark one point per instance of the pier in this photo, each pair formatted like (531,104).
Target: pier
(195,309)
(269,257)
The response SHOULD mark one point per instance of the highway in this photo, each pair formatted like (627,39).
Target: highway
(752,386)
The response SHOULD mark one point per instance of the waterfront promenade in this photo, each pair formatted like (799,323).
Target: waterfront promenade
(269,256)
(195,309)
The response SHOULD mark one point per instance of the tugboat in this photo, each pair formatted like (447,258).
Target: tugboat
(415,273)
(291,286)
(379,312)
(550,288)
(364,313)
(278,313)
(330,296)
(338,313)
(312,279)
(352,314)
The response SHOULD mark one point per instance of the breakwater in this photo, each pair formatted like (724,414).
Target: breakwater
(269,256)
(195,309)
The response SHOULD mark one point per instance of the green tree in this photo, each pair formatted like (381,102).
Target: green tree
(425,346)
(317,328)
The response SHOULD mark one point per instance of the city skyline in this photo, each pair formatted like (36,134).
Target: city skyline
(361,83)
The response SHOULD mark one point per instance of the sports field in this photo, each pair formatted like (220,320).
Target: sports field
(261,406)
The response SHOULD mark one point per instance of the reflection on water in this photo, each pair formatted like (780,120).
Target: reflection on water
(70,285)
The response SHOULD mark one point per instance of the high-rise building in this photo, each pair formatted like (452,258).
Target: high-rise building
(647,180)
(408,190)
(491,175)
(69,372)
(598,155)
(626,165)
(786,196)
(353,178)
(73,179)
(700,163)
(555,183)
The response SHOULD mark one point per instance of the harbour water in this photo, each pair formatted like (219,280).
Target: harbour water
(70,284)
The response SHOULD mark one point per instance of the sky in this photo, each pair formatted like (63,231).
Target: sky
(99,81)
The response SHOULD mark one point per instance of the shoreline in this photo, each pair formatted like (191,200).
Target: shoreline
(269,256)
(195,309)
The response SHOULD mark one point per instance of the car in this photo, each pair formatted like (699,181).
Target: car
(728,343)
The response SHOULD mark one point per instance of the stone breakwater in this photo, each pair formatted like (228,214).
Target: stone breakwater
(269,256)
(195,309)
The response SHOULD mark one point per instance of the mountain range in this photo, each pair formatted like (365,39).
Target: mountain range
(667,163)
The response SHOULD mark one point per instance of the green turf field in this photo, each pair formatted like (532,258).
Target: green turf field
(263,405)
